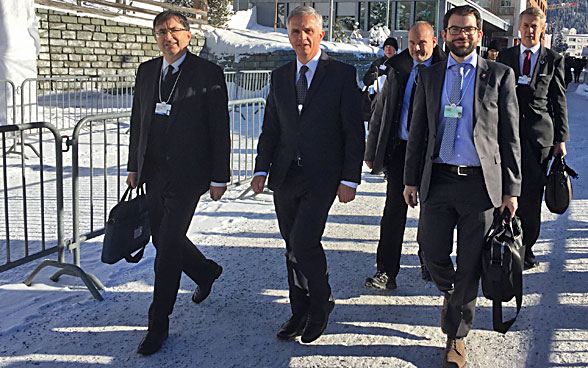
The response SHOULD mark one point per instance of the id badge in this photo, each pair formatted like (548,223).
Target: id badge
(162,108)
(524,79)
(452,111)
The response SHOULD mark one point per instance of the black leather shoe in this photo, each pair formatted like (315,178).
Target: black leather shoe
(530,260)
(152,342)
(203,290)
(381,281)
(317,323)
(292,327)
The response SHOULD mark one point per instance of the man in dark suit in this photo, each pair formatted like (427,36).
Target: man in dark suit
(465,128)
(380,66)
(386,146)
(179,147)
(541,94)
(311,145)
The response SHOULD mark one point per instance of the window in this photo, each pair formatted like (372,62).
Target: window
(506,3)
(425,10)
(362,9)
(377,14)
(281,15)
(483,3)
(402,22)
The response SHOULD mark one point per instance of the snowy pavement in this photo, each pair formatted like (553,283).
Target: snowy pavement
(61,325)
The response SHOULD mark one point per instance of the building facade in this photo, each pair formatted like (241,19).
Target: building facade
(576,43)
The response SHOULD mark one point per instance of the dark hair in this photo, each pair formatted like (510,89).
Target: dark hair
(168,14)
(463,10)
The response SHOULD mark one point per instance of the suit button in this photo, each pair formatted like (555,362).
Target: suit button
(167,158)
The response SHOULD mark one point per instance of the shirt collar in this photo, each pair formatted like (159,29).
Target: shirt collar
(472,60)
(533,49)
(427,62)
(312,64)
(176,64)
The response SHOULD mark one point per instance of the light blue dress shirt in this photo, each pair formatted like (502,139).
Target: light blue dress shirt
(402,129)
(464,152)
(534,56)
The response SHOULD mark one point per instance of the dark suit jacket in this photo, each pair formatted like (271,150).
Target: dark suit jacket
(197,140)
(495,129)
(385,119)
(542,105)
(329,134)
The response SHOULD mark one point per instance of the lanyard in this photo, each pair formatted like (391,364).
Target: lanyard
(173,88)
(462,89)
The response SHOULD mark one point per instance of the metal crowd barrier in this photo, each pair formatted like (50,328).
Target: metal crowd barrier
(99,149)
(63,101)
(248,84)
(7,103)
(31,225)
(246,118)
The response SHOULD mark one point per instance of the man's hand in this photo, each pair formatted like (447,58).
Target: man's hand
(132,179)
(369,164)
(411,196)
(257,183)
(217,192)
(345,193)
(560,149)
(509,202)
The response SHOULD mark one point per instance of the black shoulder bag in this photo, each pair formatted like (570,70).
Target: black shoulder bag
(558,190)
(127,229)
(502,266)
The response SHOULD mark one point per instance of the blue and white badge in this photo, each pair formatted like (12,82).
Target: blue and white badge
(162,108)
(524,79)
(452,111)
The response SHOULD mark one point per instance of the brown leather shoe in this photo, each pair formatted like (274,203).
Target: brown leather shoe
(443,313)
(455,354)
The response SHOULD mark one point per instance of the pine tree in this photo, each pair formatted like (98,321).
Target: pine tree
(219,12)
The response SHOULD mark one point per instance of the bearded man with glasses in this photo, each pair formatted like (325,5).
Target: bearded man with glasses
(179,147)
(463,160)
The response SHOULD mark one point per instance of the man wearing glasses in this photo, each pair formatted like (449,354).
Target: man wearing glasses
(179,147)
(462,159)
(541,93)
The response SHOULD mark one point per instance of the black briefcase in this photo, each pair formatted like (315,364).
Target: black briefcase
(502,266)
(127,229)
(558,190)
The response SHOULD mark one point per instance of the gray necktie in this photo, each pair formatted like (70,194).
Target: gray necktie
(448,140)
(301,85)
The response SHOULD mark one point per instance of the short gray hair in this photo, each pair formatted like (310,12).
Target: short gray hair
(534,12)
(305,10)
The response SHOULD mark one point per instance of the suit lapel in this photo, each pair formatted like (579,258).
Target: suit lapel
(538,65)
(516,57)
(184,80)
(480,85)
(149,87)
(319,76)
(436,92)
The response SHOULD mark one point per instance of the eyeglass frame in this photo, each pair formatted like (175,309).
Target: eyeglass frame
(471,31)
(163,32)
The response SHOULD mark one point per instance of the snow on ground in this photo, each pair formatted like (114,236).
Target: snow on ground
(244,36)
(60,324)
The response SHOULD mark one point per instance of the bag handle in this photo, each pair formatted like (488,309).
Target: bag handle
(137,257)
(140,191)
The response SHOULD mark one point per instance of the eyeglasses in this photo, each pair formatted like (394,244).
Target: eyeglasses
(163,32)
(454,31)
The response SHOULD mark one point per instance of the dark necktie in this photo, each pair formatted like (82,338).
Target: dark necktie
(167,83)
(527,63)
(448,139)
(301,85)
(418,68)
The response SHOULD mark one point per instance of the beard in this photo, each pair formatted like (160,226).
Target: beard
(461,51)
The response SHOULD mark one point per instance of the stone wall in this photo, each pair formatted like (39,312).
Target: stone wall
(74,45)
